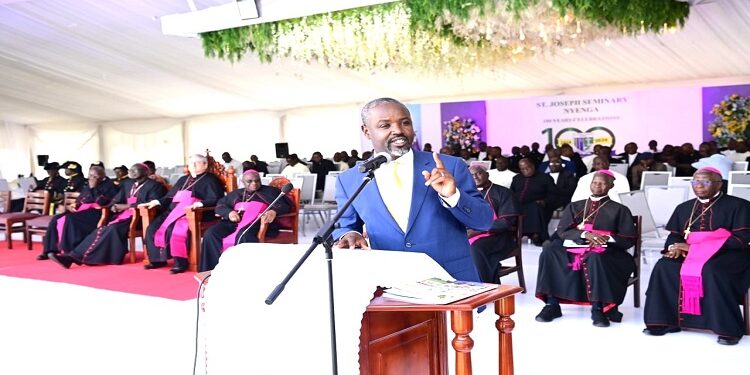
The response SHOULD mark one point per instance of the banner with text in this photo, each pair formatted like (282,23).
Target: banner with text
(668,115)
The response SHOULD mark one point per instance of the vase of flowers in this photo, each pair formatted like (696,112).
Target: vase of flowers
(462,133)
(732,117)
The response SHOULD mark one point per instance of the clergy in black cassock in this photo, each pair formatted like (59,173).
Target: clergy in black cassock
(76,182)
(597,272)
(534,191)
(489,248)
(109,243)
(198,189)
(238,210)
(53,182)
(725,275)
(65,231)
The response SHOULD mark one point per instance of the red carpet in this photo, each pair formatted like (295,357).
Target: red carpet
(128,278)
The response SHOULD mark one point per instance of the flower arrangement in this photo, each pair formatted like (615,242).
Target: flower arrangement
(462,133)
(443,35)
(732,118)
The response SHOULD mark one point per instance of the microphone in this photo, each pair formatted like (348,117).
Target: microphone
(374,163)
(284,191)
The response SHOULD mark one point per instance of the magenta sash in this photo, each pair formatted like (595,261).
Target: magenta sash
(251,211)
(124,215)
(703,245)
(580,252)
(485,234)
(179,235)
(61,221)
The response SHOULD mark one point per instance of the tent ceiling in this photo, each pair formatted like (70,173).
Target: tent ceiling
(104,60)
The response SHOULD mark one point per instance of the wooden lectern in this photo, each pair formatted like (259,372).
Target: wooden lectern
(403,338)
(241,334)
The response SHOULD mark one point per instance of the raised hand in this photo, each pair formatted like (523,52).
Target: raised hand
(440,179)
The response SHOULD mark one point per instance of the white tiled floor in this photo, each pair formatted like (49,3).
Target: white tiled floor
(52,328)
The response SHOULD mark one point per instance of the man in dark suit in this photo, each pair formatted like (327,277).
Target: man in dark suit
(565,182)
(631,157)
(420,202)
(321,167)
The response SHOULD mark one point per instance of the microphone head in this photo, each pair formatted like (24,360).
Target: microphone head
(387,156)
(287,188)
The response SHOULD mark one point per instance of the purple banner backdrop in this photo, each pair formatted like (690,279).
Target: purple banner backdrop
(473,110)
(714,95)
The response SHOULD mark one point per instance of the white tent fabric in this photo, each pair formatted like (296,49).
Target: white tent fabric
(158,140)
(95,80)
(104,60)
(78,142)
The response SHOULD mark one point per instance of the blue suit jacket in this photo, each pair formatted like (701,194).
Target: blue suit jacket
(433,229)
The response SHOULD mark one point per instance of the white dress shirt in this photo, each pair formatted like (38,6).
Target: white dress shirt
(397,200)
(503,178)
(583,190)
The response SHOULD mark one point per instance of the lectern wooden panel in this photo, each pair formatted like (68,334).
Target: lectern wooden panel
(400,342)
(402,338)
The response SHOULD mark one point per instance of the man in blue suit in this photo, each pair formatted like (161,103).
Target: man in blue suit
(420,202)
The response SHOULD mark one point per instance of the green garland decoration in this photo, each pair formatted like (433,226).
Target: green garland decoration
(631,16)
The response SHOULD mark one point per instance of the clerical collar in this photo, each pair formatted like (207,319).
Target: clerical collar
(704,201)
(597,199)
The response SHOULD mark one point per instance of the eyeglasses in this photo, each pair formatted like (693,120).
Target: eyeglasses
(704,183)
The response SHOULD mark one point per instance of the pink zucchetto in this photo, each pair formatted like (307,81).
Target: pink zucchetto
(606,172)
(708,169)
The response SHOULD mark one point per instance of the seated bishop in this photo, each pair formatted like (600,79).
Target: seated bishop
(239,212)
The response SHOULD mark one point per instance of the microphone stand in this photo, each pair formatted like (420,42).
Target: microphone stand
(324,237)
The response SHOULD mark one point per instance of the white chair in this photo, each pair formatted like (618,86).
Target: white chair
(652,238)
(274,167)
(307,191)
(682,183)
(327,206)
(274,175)
(662,201)
(739,166)
(266,180)
(741,192)
(4,185)
(334,173)
(649,178)
(620,168)
(670,168)
(638,205)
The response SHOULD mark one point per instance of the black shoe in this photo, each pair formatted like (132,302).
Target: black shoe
(63,260)
(180,265)
(549,313)
(599,319)
(154,265)
(660,330)
(725,340)
(614,315)
(42,256)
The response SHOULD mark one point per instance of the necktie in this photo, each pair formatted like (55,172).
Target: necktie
(396,178)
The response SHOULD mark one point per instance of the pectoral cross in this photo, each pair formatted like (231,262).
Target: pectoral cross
(687,233)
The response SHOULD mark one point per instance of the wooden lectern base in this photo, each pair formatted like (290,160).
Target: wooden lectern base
(401,338)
